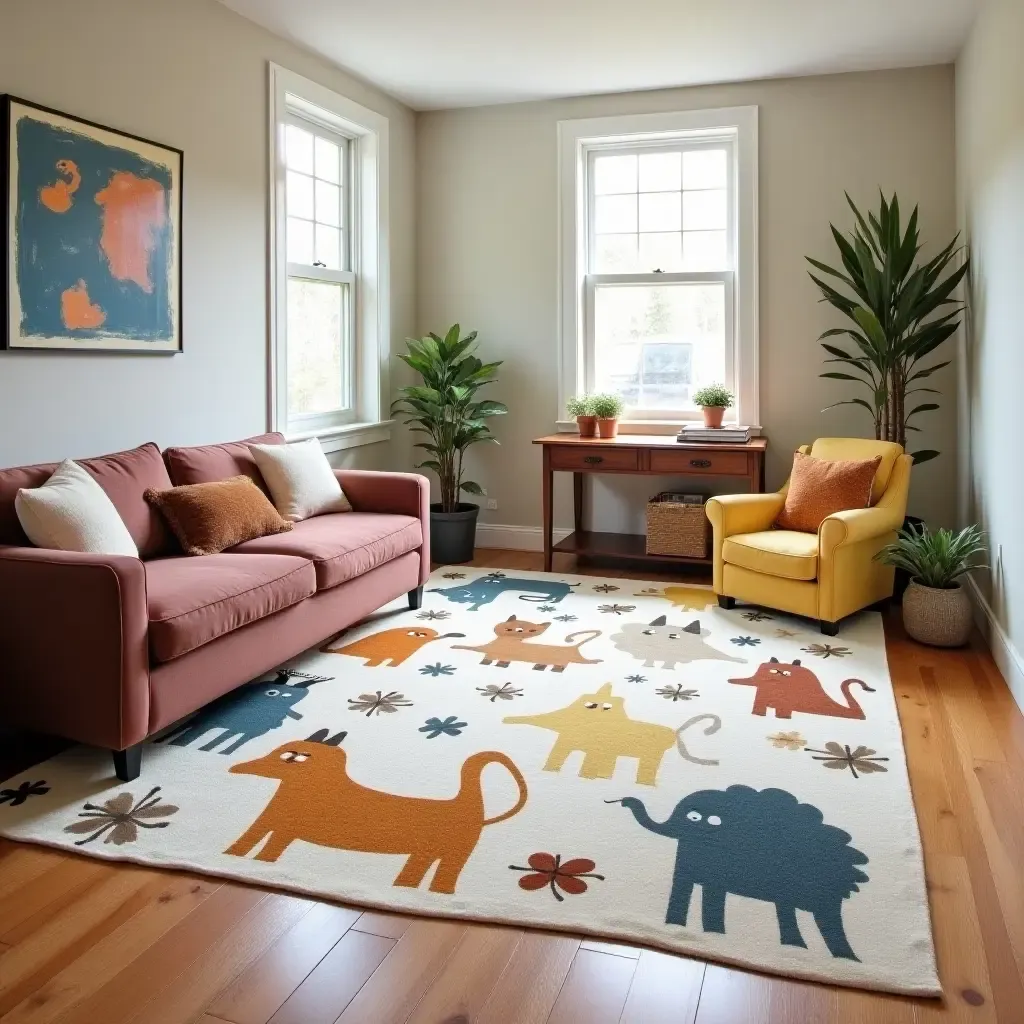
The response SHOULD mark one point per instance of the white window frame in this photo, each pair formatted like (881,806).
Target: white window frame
(366,421)
(578,142)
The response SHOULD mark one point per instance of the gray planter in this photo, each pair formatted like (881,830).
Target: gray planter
(941,618)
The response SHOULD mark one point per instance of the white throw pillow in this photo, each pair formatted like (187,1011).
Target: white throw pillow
(71,512)
(300,479)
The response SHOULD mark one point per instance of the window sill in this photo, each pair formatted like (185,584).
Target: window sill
(645,426)
(351,435)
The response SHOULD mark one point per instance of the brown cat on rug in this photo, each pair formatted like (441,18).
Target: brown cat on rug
(510,645)
(318,803)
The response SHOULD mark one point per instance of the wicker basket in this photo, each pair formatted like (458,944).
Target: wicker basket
(676,527)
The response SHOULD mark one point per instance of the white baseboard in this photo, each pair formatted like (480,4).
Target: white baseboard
(1004,653)
(515,538)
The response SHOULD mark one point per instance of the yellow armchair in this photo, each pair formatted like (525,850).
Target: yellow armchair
(823,576)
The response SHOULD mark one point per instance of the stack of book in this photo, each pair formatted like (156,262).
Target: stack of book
(698,432)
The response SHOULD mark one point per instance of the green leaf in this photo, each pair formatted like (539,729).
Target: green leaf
(925,455)
(923,407)
(471,487)
(850,401)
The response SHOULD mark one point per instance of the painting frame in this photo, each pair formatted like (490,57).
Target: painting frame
(127,234)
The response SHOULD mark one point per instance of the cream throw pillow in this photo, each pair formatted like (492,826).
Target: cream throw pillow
(300,479)
(71,512)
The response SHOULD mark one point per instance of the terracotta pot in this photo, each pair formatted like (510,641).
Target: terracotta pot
(587,426)
(607,427)
(713,415)
(941,618)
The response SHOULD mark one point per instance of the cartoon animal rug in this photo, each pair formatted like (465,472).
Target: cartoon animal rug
(562,752)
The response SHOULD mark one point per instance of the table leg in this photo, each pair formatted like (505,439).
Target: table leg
(577,495)
(548,525)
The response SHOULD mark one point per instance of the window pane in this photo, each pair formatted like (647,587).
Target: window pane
(300,241)
(614,214)
(661,251)
(328,247)
(660,172)
(704,210)
(614,174)
(299,195)
(704,250)
(615,254)
(655,344)
(328,204)
(316,343)
(298,149)
(328,160)
(659,211)
(704,168)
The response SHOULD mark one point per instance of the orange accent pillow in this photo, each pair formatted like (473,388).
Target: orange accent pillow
(207,518)
(819,488)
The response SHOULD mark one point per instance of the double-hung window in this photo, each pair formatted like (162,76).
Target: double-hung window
(329,272)
(659,261)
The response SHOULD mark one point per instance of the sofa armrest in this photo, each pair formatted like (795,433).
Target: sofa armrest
(855,525)
(74,635)
(406,494)
(743,513)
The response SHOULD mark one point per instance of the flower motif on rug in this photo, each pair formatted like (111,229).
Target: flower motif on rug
(616,609)
(565,618)
(378,703)
(782,633)
(651,592)
(434,615)
(826,651)
(757,616)
(19,795)
(606,588)
(437,669)
(745,641)
(546,608)
(674,693)
(496,575)
(549,870)
(120,818)
(493,692)
(786,740)
(636,679)
(840,757)
(435,727)
(453,575)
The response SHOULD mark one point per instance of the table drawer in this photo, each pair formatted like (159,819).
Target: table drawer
(582,459)
(713,463)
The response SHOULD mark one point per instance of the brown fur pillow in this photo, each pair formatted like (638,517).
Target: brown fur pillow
(818,488)
(207,518)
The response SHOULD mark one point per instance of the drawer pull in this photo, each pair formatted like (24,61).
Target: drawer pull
(700,463)
(593,459)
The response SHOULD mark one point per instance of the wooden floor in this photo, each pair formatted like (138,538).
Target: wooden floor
(84,942)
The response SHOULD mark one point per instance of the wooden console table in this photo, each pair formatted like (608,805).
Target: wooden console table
(646,454)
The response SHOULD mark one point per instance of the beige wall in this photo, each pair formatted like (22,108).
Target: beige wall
(990,141)
(488,253)
(192,74)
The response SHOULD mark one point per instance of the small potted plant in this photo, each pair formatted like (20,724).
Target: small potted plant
(936,607)
(607,408)
(713,401)
(582,408)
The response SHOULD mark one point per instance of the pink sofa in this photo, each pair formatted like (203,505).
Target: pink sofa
(108,650)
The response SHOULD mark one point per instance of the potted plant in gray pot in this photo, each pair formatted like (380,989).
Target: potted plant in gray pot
(936,606)
(445,408)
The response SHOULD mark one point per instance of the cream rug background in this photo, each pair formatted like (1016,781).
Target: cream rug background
(624,665)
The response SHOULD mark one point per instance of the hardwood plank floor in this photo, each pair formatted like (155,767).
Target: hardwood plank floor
(84,942)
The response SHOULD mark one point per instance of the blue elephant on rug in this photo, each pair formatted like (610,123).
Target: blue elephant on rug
(485,589)
(765,845)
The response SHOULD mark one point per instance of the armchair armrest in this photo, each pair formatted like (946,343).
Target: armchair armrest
(405,494)
(855,525)
(74,635)
(743,513)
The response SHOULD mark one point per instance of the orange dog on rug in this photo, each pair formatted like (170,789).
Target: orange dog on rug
(318,803)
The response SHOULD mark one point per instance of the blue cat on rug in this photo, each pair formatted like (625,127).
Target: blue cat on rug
(485,589)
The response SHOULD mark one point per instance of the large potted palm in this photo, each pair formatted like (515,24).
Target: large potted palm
(445,408)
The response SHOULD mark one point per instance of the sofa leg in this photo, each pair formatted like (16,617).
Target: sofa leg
(416,598)
(726,602)
(829,628)
(128,763)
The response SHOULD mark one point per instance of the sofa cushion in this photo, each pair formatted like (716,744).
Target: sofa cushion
(775,553)
(193,600)
(124,476)
(203,464)
(342,544)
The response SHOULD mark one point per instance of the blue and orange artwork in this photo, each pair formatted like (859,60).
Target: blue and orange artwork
(95,236)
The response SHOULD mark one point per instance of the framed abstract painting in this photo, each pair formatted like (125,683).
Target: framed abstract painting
(92,223)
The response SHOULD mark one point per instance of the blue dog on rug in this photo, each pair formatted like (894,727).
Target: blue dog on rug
(487,588)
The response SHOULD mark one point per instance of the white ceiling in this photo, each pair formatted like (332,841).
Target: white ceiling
(453,53)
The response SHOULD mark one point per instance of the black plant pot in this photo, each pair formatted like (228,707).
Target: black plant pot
(453,534)
(902,578)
